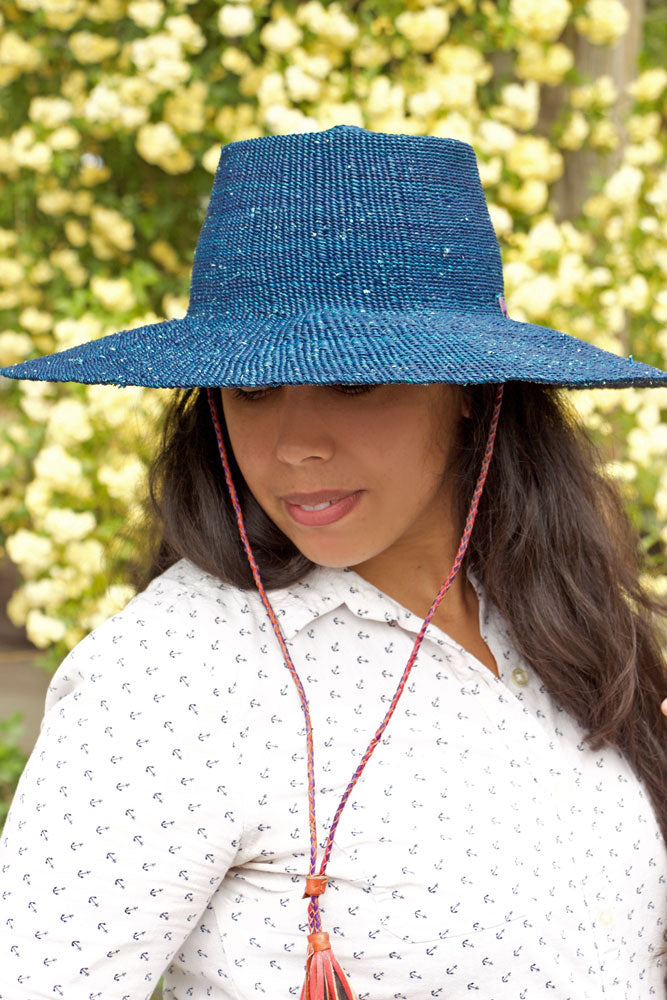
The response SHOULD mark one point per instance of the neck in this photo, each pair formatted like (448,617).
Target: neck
(415,578)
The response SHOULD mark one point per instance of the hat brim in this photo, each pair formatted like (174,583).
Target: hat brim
(336,347)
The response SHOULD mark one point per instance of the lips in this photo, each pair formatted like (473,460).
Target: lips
(321,496)
(317,510)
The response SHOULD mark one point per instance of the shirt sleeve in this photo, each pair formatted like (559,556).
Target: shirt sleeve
(127,815)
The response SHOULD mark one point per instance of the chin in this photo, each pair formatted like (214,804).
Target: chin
(335,557)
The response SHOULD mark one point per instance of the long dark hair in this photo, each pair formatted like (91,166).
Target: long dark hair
(552,545)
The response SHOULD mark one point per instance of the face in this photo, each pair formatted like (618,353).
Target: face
(379,453)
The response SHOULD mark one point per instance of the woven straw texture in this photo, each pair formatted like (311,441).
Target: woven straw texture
(343,256)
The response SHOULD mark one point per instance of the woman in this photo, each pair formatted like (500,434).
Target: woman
(361,420)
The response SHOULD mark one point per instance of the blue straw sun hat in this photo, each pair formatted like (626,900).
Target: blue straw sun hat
(343,256)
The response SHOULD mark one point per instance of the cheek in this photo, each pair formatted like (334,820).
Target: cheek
(407,460)
(249,448)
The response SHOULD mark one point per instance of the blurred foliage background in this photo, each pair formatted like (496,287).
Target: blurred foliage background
(112,116)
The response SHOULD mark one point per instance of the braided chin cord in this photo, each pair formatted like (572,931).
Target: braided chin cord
(316,882)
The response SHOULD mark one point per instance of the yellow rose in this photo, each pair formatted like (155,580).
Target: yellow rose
(647,444)
(282,121)
(337,28)
(462,59)
(644,126)
(88,556)
(624,185)
(603,22)
(520,105)
(369,54)
(164,253)
(119,231)
(541,19)
(657,194)
(187,32)
(185,109)
(646,152)
(383,96)
(500,219)
(45,593)
(114,293)
(17,56)
(124,481)
(649,85)
(211,158)
(64,137)
(634,294)
(43,630)
(146,13)
(604,134)
(57,468)
(533,156)
(35,400)
(70,332)
(574,133)
(490,171)
(597,206)
(38,157)
(75,233)
(659,308)
(546,64)
(494,137)
(32,553)
(17,608)
(455,126)
(111,405)
(103,104)
(14,347)
(425,28)
(68,422)
(50,111)
(456,90)
(235,60)
(544,237)
(41,273)
(175,306)
(301,86)
(87,47)
(38,499)
(11,272)
(115,599)
(281,34)
(160,58)
(535,297)
(65,525)
(235,20)
(330,24)
(531,197)
(272,90)
(137,90)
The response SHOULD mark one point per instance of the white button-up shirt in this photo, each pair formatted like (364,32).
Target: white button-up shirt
(161,824)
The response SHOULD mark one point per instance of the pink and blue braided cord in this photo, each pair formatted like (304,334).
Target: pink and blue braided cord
(314,919)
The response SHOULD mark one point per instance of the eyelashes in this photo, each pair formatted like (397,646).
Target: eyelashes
(259,393)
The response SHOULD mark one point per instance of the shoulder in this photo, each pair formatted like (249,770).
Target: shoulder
(179,630)
(192,588)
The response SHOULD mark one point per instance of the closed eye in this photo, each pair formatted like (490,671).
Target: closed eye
(259,392)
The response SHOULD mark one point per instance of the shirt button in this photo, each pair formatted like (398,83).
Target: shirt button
(520,676)
(606,918)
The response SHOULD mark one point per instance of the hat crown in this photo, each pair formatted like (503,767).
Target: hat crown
(345,218)
(343,256)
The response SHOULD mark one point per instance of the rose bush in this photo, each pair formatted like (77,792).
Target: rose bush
(112,130)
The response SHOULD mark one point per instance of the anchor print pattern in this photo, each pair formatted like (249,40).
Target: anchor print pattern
(160,826)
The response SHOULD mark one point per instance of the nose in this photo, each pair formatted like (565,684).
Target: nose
(303,432)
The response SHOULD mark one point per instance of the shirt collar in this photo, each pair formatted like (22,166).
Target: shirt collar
(323,590)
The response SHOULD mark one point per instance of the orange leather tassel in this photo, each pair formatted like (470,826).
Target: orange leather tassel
(325,980)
